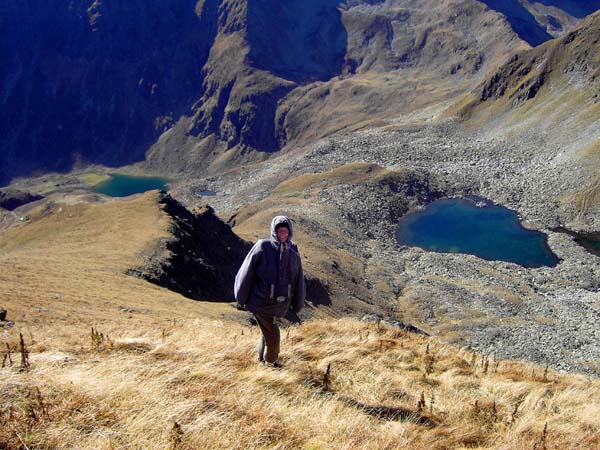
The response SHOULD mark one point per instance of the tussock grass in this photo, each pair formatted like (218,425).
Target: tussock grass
(345,384)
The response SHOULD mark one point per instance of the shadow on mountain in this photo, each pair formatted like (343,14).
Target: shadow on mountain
(578,9)
(301,41)
(11,199)
(95,83)
(521,20)
(317,293)
(201,259)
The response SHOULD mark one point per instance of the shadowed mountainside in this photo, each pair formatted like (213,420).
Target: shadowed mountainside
(521,20)
(199,86)
(310,44)
(537,22)
(94,81)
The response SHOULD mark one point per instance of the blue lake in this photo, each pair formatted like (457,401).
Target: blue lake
(491,232)
(124,185)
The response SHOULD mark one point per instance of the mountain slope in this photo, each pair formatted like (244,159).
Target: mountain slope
(381,55)
(206,84)
(194,383)
(552,91)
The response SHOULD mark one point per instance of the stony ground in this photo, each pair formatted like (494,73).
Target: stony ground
(548,315)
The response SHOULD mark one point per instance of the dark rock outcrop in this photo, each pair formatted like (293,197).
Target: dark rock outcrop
(317,292)
(200,260)
(11,199)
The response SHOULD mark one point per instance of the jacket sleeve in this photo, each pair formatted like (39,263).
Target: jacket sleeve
(299,295)
(245,275)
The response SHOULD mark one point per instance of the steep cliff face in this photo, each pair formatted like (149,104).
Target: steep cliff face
(95,80)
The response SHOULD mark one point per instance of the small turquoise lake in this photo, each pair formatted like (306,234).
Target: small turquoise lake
(491,232)
(124,185)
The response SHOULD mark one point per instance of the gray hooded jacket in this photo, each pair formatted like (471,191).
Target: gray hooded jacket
(270,279)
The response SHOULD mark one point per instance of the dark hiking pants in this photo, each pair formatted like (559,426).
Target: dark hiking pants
(268,347)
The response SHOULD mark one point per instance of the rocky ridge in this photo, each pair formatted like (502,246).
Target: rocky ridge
(201,258)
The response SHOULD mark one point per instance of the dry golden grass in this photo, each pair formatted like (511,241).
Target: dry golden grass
(179,374)
(196,384)
(64,271)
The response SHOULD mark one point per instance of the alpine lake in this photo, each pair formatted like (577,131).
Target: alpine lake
(124,185)
(477,227)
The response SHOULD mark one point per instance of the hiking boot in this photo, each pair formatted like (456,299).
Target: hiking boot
(274,365)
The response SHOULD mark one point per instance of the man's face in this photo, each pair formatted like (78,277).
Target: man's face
(283,234)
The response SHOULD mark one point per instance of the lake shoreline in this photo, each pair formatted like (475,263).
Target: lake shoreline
(124,185)
(476,226)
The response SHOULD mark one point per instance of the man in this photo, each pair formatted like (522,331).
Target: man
(269,281)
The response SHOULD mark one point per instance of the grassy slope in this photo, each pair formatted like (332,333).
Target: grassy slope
(181,374)
(64,272)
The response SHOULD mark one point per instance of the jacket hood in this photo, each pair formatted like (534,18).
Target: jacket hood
(278,220)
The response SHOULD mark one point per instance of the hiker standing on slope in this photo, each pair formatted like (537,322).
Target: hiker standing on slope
(269,281)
